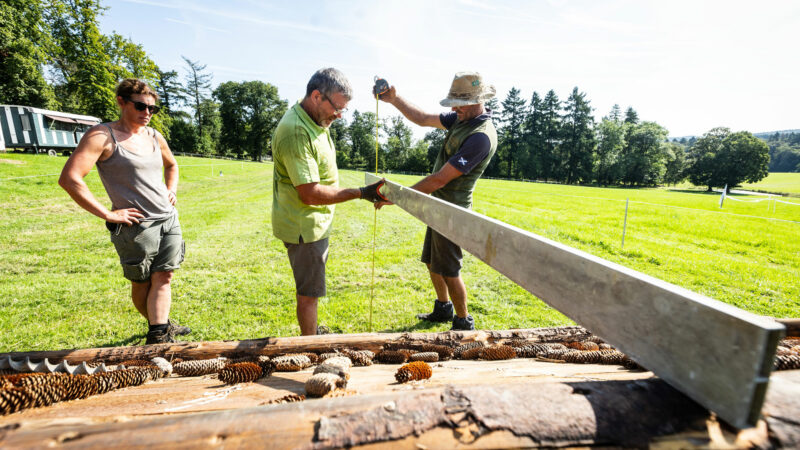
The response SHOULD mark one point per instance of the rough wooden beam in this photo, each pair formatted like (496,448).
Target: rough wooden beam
(719,355)
(273,345)
(629,413)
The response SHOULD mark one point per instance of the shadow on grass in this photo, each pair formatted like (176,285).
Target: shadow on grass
(692,191)
(136,338)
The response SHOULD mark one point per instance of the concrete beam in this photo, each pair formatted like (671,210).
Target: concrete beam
(717,354)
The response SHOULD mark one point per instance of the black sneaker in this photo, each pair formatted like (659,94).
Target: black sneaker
(442,312)
(463,323)
(177,329)
(160,337)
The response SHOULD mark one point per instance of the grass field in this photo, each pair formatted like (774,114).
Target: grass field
(779,182)
(61,285)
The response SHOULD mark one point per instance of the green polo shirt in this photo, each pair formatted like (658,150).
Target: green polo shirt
(302,152)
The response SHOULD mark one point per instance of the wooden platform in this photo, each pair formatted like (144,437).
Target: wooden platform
(466,404)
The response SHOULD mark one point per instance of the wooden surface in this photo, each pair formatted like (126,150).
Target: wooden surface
(279,345)
(519,412)
(719,355)
(194,394)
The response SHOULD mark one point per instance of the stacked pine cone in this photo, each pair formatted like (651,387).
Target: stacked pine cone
(21,391)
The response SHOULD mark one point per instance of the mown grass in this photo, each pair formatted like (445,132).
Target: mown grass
(61,285)
(778,182)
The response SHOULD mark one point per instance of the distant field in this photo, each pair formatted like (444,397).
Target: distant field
(61,285)
(780,182)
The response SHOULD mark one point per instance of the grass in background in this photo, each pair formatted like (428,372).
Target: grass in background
(61,285)
(777,182)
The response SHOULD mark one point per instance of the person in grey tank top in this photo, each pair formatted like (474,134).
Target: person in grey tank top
(142,221)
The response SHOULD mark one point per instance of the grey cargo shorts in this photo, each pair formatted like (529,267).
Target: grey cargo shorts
(148,247)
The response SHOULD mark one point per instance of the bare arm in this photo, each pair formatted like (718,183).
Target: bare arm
(170,169)
(436,181)
(411,111)
(89,150)
(319,194)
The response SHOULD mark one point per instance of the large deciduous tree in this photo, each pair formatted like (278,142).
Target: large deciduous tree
(198,88)
(84,75)
(24,43)
(249,112)
(723,158)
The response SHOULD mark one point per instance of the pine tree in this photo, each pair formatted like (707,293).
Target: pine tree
(578,138)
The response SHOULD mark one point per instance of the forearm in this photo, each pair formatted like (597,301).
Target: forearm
(429,184)
(171,178)
(412,112)
(329,195)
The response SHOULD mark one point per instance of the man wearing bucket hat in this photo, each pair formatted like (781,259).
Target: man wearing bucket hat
(469,145)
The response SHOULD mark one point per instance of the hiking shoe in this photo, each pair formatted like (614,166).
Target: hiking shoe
(177,329)
(322,329)
(463,323)
(160,337)
(442,312)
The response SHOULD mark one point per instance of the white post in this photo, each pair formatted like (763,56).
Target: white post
(625,223)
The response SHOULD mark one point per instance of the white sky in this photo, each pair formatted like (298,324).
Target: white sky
(688,65)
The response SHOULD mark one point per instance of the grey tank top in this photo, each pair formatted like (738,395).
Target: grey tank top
(134,180)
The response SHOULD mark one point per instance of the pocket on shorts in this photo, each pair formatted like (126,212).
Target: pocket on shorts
(137,271)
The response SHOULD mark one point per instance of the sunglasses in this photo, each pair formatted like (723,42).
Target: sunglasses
(141,106)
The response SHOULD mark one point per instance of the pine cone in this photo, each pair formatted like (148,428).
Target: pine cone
(498,352)
(15,399)
(392,357)
(322,383)
(266,364)
(163,365)
(425,356)
(290,398)
(136,363)
(443,351)
(473,353)
(291,362)
(339,371)
(199,367)
(459,351)
(340,393)
(361,357)
(243,372)
(313,357)
(417,370)
(531,351)
(46,394)
(323,356)
(787,362)
(604,346)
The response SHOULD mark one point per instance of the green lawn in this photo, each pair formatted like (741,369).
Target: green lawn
(61,285)
(778,182)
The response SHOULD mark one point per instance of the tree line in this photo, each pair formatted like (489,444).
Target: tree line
(544,138)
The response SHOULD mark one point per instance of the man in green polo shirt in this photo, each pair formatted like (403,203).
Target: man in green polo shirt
(306,186)
(469,145)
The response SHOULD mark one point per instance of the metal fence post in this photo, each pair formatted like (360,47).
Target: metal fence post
(625,224)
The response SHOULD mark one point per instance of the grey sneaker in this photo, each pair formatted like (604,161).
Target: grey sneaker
(160,337)
(463,323)
(322,329)
(177,329)
(442,312)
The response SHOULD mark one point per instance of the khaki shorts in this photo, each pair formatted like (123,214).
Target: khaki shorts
(308,266)
(148,247)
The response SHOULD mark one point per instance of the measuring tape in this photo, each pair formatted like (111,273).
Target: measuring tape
(381,86)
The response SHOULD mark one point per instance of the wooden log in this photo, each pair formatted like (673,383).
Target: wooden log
(792,326)
(718,354)
(280,345)
(627,413)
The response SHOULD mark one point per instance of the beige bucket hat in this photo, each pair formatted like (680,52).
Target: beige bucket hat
(468,88)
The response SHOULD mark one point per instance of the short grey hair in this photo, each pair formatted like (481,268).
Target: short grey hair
(329,81)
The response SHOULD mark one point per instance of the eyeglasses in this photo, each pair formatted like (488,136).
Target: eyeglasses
(141,106)
(335,110)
